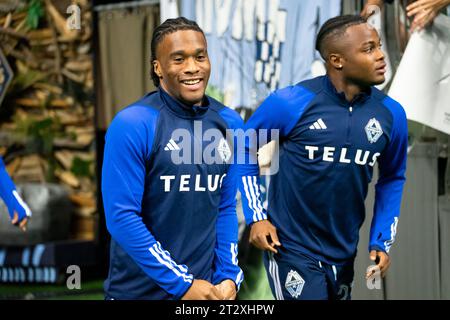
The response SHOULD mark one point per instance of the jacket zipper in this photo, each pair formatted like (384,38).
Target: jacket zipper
(349,124)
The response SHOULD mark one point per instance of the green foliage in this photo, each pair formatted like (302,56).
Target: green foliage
(34,13)
(81,168)
(24,79)
(40,134)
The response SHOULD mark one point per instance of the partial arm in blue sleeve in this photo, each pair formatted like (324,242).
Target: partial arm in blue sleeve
(128,141)
(389,188)
(226,261)
(11,197)
(280,111)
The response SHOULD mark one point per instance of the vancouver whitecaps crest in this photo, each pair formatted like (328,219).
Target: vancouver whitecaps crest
(294,283)
(224,150)
(373,130)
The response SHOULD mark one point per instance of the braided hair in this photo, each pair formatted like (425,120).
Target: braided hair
(335,27)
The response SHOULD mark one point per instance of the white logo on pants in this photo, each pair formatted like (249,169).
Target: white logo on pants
(294,284)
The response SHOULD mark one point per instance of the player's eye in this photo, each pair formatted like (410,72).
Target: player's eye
(201,57)
(178,59)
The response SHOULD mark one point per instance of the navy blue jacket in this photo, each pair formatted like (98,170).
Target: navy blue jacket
(328,148)
(170,222)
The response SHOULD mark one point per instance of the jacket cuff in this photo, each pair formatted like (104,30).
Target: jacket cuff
(184,288)
(377,248)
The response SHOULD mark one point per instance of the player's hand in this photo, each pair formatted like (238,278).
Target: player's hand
(228,289)
(22,225)
(382,261)
(202,290)
(367,11)
(263,235)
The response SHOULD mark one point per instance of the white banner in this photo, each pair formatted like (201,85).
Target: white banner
(422,82)
(169,9)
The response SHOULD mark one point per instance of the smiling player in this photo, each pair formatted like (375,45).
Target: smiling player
(173,226)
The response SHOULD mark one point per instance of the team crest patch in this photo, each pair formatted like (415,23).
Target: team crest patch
(373,130)
(224,150)
(294,284)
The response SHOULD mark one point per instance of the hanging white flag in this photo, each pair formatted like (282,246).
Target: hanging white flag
(422,82)
(168,9)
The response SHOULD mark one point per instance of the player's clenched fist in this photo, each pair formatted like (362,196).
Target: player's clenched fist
(263,235)
(228,289)
(202,290)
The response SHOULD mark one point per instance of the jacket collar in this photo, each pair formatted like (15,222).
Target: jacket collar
(182,109)
(340,96)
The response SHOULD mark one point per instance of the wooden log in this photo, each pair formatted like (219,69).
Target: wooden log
(40,34)
(85,139)
(46,86)
(80,66)
(65,158)
(84,48)
(83,227)
(67,118)
(87,185)
(60,23)
(29,170)
(81,142)
(14,17)
(42,42)
(73,76)
(13,33)
(86,212)
(83,199)
(29,175)
(53,28)
(68,178)
(79,130)
(29,102)
(42,95)
(63,103)
(8,21)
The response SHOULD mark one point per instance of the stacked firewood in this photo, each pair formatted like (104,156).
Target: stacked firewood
(46,117)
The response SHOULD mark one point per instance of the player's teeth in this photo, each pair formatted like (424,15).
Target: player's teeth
(191,81)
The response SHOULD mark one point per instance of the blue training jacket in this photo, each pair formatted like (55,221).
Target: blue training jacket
(328,148)
(170,223)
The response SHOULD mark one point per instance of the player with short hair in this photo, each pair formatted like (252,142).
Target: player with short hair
(333,129)
(173,225)
(19,212)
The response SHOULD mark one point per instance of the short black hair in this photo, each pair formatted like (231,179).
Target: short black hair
(167,27)
(335,27)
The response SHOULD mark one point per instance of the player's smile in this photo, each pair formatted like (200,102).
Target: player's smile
(193,84)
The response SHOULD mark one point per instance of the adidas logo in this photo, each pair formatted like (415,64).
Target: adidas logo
(171,145)
(318,125)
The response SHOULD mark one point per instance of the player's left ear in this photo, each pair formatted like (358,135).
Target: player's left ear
(336,60)
(157,68)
